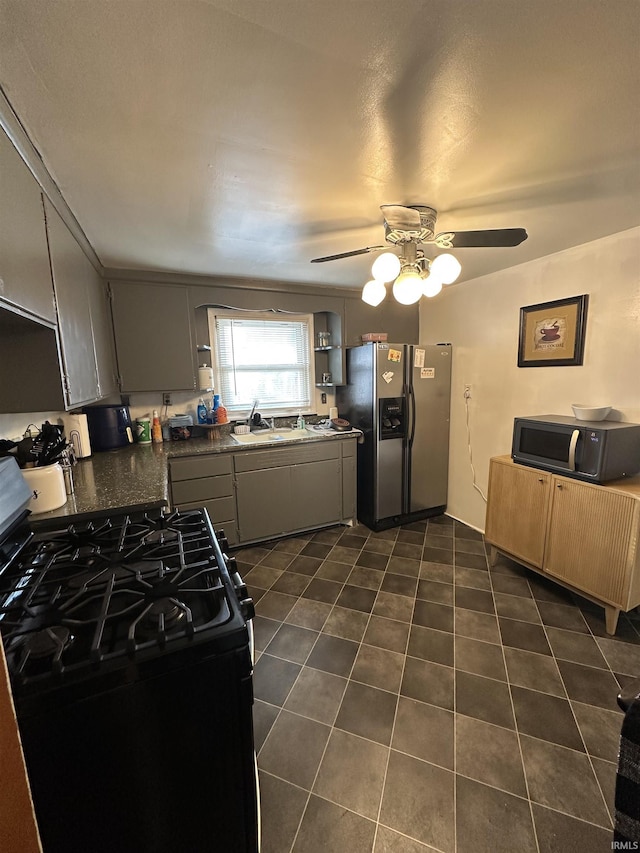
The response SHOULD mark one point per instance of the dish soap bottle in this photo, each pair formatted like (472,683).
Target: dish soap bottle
(221,415)
(156,428)
(202,411)
(300,424)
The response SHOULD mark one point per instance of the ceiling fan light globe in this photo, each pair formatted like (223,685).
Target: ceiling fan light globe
(407,288)
(445,268)
(431,286)
(386,267)
(374,292)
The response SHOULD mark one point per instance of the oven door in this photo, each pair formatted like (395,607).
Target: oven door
(553,447)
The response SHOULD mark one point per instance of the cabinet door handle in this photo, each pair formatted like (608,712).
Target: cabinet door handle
(541,479)
(558,485)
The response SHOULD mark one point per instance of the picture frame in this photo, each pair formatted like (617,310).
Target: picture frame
(552,333)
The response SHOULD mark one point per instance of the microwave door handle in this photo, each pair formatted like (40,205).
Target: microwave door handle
(575,435)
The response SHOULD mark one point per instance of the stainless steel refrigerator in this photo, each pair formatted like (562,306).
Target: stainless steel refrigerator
(398,395)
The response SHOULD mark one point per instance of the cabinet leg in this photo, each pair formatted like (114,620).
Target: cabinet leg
(493,556)
(611,619)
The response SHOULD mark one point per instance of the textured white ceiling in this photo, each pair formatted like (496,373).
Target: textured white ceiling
(246,137)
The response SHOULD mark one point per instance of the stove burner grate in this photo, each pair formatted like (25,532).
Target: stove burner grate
(94,592)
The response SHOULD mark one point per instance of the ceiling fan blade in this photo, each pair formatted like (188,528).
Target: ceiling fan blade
(347,254)
(496,237)
(399,217)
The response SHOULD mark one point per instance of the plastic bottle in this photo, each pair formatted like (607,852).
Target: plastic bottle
(300,424)
(156,428)
(202,411)
(221,415)
(211,414)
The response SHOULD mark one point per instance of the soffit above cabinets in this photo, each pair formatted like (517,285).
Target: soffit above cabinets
(243,138)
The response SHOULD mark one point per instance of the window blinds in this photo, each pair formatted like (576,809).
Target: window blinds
(265,359)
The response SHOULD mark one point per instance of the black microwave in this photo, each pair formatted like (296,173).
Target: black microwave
(596,451)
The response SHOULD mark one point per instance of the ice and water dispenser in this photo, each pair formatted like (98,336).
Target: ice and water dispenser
(391,418)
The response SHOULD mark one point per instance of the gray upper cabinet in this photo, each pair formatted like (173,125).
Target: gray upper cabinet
(102,330)
(73,278)
(154,344)
(25,280)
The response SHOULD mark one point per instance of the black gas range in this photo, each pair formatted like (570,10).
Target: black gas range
(128,644)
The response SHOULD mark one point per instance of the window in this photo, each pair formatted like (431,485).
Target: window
(264,358)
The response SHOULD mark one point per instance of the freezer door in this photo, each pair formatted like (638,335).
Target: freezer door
(429,392)
(389,383)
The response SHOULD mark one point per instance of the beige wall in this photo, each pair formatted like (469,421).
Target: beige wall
(481,319)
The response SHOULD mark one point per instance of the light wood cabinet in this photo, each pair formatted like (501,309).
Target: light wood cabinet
(584,536)
(517,511)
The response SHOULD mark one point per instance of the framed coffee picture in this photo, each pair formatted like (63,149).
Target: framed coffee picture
(552,333)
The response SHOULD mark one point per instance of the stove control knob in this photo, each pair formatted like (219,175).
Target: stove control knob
(248,608)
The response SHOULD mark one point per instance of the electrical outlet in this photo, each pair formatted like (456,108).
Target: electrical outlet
(166,399)
(467,392)
(323,397)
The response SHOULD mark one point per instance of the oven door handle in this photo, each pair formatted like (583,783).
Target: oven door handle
(575,435)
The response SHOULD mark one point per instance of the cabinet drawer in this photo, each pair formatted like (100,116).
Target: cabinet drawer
(193,467)
(278,457)
(348,447)
(202,489)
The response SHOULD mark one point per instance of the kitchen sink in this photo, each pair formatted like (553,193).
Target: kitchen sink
(271,436)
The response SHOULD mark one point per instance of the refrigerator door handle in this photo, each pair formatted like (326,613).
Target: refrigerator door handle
(411,399)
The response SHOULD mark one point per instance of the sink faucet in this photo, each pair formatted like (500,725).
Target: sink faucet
(273,424)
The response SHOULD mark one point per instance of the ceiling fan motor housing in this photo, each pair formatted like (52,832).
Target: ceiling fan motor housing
(396,232)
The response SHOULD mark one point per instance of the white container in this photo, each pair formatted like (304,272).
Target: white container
(47,487)
(205,378)
(242,429)
(76,431)
(590,413)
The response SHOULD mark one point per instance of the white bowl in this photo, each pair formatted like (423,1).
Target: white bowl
(241,429)
(590,413)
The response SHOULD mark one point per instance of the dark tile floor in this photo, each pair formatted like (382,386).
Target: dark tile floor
(409,698)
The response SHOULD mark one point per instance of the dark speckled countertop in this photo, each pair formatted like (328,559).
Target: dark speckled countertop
(136,477)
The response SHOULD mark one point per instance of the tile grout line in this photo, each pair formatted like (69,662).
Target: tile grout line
(315,778)
(571,709)
(513,711)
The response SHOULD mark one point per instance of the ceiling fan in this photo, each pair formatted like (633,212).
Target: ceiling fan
(410,227)
(416,223)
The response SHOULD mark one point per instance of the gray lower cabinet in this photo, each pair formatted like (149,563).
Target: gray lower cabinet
(196,481)
(261,494)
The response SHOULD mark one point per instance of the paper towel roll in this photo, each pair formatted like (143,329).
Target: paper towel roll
(205,378)
(333,412)
(76,431)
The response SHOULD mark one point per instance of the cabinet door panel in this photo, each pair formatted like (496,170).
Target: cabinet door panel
(103,342)
(517,510)
(589,539)
(73,275)
(264,503)
(316,493)
(25,278)
(153,337)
